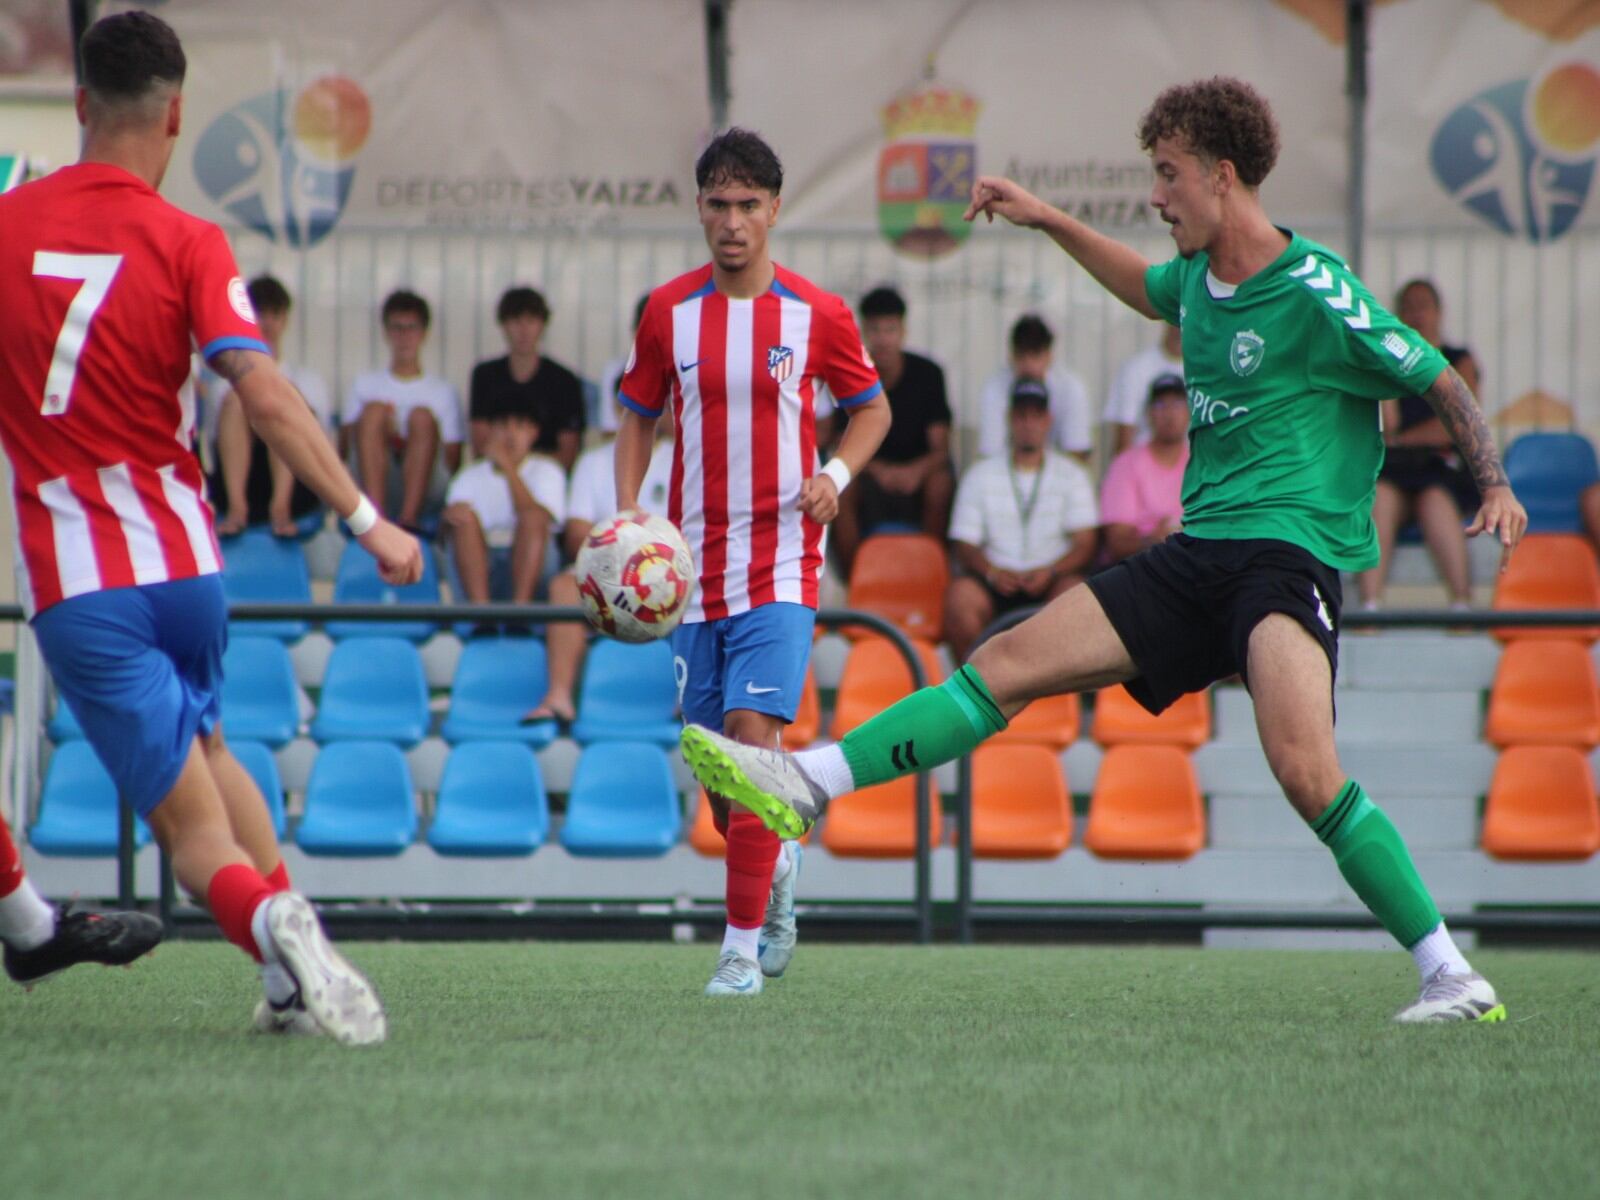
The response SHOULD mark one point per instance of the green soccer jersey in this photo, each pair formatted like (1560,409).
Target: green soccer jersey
(1285,372)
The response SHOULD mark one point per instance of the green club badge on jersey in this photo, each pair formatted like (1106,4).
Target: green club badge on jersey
(1247,352)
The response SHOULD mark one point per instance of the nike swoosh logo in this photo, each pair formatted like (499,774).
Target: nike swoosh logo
(686,367)
(753,690)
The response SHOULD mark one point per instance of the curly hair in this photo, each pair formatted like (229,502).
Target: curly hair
(738,156)
(1217,118)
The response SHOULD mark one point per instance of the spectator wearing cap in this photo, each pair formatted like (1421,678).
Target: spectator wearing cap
(527,383)
(1033,357)
(1024,527)
(1141,499)
(909,481)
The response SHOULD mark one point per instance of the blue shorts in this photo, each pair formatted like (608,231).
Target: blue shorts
(141,669)
(754,660)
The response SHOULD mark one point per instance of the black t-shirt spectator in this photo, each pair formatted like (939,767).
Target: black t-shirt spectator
(916,401)
(553,396)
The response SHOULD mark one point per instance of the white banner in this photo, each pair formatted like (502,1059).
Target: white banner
(301,116)
(1486,116)
(881,111)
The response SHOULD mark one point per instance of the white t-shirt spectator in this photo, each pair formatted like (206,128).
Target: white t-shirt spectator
(1130,391)
(425,391)
(592,496)
(1059,498)
(1069,412)
(482,486)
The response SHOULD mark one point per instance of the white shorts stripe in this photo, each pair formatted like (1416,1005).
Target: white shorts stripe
(186,504)
(144,545)
(76,565)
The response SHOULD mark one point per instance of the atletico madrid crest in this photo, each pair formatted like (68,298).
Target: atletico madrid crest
(780,362)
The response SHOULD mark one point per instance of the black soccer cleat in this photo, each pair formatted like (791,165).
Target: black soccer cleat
(113,939)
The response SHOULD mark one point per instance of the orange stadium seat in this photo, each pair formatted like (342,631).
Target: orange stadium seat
(1053,721)
(807,723)
(902,577)
(1544,694)
(875,676)
(1121,720)
(1549,570)
(1146,804)
(1020,804)
(877,822)
(1542,805)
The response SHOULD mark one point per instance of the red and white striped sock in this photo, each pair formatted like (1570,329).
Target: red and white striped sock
(234,895)
(752,857)
(26,919)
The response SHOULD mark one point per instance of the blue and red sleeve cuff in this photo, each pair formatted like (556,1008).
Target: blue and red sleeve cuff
(861,398)
(218,345)
(633,405)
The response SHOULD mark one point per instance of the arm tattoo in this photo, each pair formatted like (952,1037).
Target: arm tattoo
(234,365)
(1453,403)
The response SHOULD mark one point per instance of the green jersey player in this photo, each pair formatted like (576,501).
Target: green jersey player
(1286,357)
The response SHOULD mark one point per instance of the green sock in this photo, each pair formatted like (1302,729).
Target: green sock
(925,729)
(1376,864)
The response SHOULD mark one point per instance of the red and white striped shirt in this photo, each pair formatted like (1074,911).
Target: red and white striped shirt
(106,288)
(744,378)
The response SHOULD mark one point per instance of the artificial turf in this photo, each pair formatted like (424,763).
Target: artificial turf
(533,1069)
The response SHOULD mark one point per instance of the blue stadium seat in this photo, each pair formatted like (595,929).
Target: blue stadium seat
(78,810)
(491,802)
(359,802)
(260,698)
(373,690)
(263,767)
(628,695)
(1547,471)
(261,569)
(63,726)
(622,803)
(496,681)
(358,582)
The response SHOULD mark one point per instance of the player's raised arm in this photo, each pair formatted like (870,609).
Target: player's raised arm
(1118,268)
(281,417)
(1453,403)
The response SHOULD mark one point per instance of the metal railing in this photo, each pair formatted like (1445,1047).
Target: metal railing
(1193,916)
(919,913)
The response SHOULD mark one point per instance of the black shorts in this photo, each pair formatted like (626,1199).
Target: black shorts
(1185,608)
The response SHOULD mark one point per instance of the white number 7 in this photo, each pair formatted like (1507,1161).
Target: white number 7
(96,271)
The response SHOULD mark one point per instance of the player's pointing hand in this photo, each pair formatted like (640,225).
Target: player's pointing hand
(1501,513)
(995,196)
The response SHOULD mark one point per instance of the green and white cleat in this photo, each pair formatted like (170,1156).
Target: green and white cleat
(778,930)
(736,975)
(337,996)
(767,782)
(1448,997)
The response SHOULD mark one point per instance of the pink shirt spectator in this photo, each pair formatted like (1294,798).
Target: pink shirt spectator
(1139,491)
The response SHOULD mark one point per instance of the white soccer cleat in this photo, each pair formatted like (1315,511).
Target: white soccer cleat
(778,930)
(289,1020)
(335,994)
(1446,997)
(767,782)
(736,975)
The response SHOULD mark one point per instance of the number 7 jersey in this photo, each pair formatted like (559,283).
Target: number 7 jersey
(106,290)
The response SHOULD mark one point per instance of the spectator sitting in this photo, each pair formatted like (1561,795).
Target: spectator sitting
(1127,414)
(527,382)
(501,514)
(1423,478)
(255,483)
(403,411)
(1024,525)
(1141,500)
(591,498)
(1033,357)
(909,480)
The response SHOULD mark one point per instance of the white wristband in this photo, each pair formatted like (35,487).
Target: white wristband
(838,470)
(363,518)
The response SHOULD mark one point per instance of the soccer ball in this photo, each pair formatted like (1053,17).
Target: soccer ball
(635,576)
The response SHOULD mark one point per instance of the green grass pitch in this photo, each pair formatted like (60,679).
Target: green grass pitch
(533,1069)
